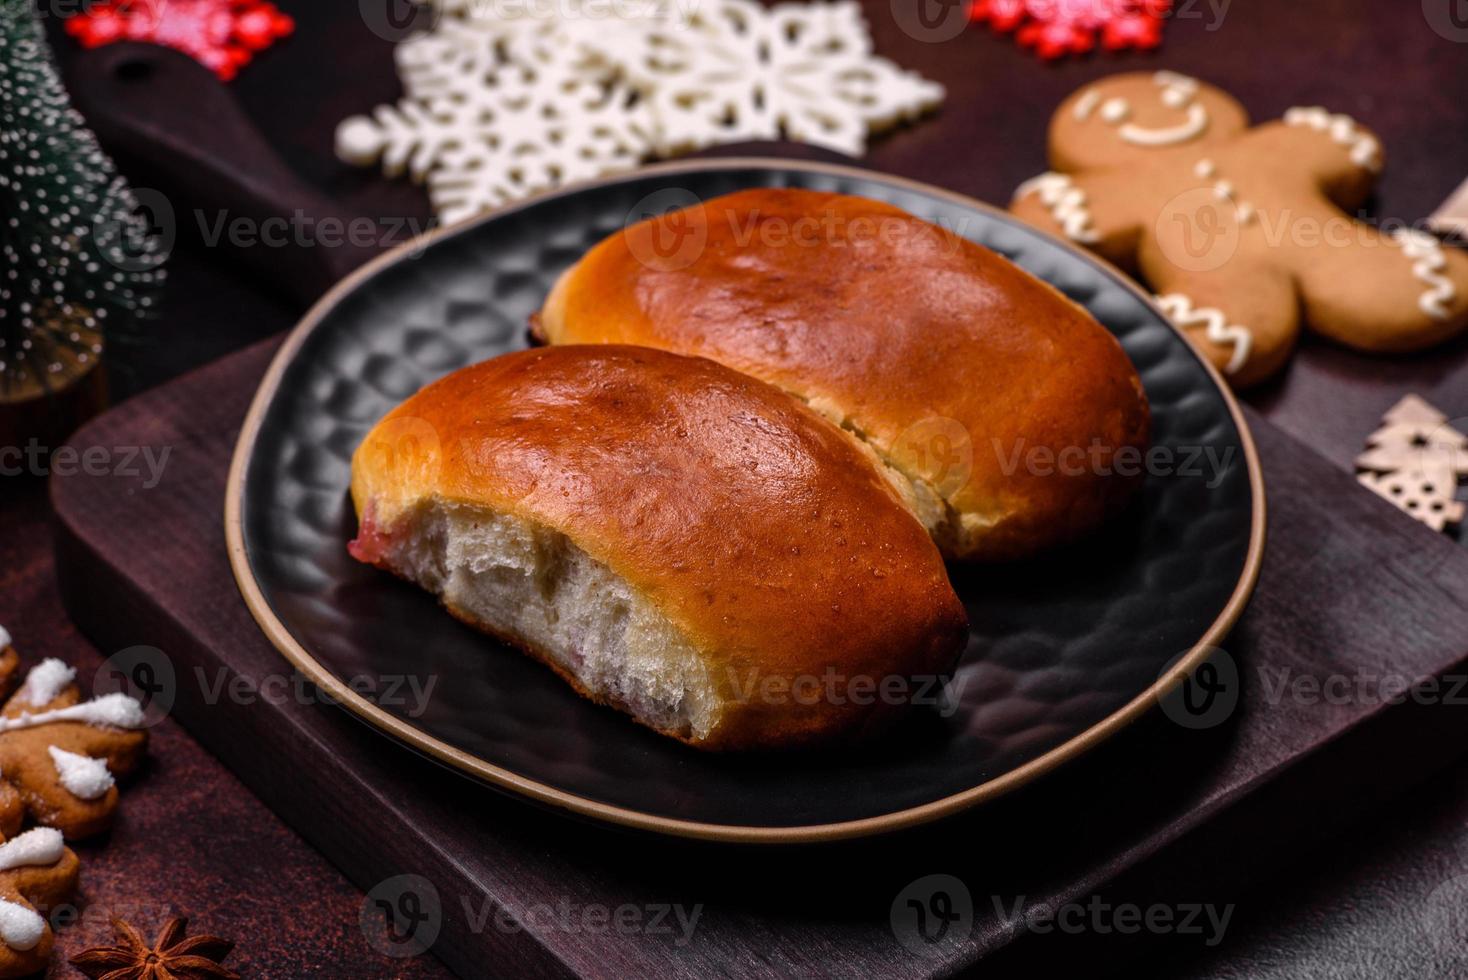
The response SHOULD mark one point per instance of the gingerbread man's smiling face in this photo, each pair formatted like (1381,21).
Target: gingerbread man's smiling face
(1121,119)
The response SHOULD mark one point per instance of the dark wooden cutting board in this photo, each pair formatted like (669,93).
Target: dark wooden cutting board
(1162,813)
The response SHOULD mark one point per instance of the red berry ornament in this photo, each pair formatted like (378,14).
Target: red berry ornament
(1056,28)
(222,35)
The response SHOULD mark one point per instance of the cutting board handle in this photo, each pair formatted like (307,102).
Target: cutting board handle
(174,124)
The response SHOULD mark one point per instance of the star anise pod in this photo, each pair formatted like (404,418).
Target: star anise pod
(172,957)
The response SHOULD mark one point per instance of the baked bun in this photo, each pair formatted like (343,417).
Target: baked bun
(998,404)
(674,538)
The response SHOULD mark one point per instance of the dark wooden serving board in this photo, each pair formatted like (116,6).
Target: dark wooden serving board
(1161,813)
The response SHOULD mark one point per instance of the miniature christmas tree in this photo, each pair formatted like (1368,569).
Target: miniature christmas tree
(1415,434)
(1415,460)
(77,258)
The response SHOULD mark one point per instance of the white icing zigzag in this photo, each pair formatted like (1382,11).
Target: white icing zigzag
(1365,150)
(1067,203)
(1179,309)
(1428,265)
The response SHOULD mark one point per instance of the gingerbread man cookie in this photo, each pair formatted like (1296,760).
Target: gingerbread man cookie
(36,870)
(1244,233)
(59,754)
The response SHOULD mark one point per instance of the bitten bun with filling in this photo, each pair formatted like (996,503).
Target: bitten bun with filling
(674,538)
(997,405)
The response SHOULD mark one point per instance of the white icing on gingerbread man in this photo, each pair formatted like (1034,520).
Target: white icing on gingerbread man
(1216,329)
(1430,264)
(59,754)
(1067,204)
(36,869)
(1246,232)
(81,775)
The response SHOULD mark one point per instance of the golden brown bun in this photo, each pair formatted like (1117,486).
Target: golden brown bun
(766,539)
(964,373)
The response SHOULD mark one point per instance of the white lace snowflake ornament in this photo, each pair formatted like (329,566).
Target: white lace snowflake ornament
(499,104)
(739,71)
(487,126)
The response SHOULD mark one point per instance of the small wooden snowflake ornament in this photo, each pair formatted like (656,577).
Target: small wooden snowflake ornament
(1415,461)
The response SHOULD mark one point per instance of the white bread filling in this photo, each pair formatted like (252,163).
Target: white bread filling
(954,531)
(533,586)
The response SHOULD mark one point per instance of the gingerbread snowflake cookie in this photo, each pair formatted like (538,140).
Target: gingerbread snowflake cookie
(1244,233)
(37,872)
(58,754)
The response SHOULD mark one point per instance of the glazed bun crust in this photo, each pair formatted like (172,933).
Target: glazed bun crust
(769,543)
(964,373)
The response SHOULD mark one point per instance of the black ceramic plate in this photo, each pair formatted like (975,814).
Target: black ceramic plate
(1065,651)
